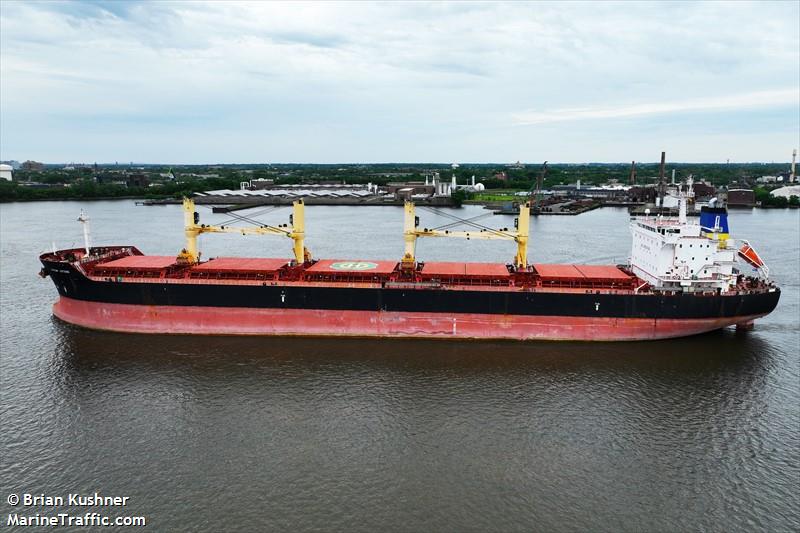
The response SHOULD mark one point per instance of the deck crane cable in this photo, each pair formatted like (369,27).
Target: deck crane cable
(251,216)
(473,219)
(267,209)
(258,223)
(467,222)
(242,218)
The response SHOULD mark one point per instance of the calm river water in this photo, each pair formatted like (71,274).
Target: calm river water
(243,434)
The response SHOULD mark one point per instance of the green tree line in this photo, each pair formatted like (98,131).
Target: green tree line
(87,188)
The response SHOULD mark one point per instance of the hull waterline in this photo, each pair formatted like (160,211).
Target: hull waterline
(205,320)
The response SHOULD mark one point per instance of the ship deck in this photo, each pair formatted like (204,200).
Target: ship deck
(128,264)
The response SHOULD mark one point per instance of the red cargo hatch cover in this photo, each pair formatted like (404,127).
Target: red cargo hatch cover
(604,272)
(491,270)
(351,266)
(558,271)
(140,262)
(241,264)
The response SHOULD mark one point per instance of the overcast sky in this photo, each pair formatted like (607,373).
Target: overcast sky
(398,82)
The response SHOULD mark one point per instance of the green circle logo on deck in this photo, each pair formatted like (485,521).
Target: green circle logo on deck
(354,265)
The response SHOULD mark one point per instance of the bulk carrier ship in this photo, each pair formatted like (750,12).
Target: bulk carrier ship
(683,278)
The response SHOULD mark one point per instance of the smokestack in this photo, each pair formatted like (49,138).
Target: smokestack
(453,183)
(793,177)
(473,180)
(633,172)
(673,176)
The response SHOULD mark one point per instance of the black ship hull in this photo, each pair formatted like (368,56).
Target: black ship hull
(277,308)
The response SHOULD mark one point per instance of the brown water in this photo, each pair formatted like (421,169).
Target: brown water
(243,434)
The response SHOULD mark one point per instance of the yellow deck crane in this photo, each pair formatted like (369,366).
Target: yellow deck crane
(411,233)
(295,230)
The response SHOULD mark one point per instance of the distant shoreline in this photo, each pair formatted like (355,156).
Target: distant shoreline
(75,199)
(173,201)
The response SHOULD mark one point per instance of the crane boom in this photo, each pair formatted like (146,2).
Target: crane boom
(520,236)
(192,229)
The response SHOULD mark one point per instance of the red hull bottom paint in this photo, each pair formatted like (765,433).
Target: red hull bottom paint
(308,322)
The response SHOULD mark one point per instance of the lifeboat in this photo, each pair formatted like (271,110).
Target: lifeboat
(749,254)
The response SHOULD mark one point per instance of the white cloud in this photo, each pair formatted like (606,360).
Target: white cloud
(383,77)
(738,102)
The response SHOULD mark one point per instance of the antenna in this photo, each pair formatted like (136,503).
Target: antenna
(84,220)
(681,206)
(661,184)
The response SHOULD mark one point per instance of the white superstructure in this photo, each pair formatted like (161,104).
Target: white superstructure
(678,255)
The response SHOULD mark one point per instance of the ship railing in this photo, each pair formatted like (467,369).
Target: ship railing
(107,255)
(413,285)
(247,282)
(689,283)
(344,278)
(587,284)
(85,263)
(128,274)
(246,275)
(469,281)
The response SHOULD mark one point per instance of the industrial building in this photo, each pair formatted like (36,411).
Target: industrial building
(787,192)
(741,197)
(294,191)
(6,172)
